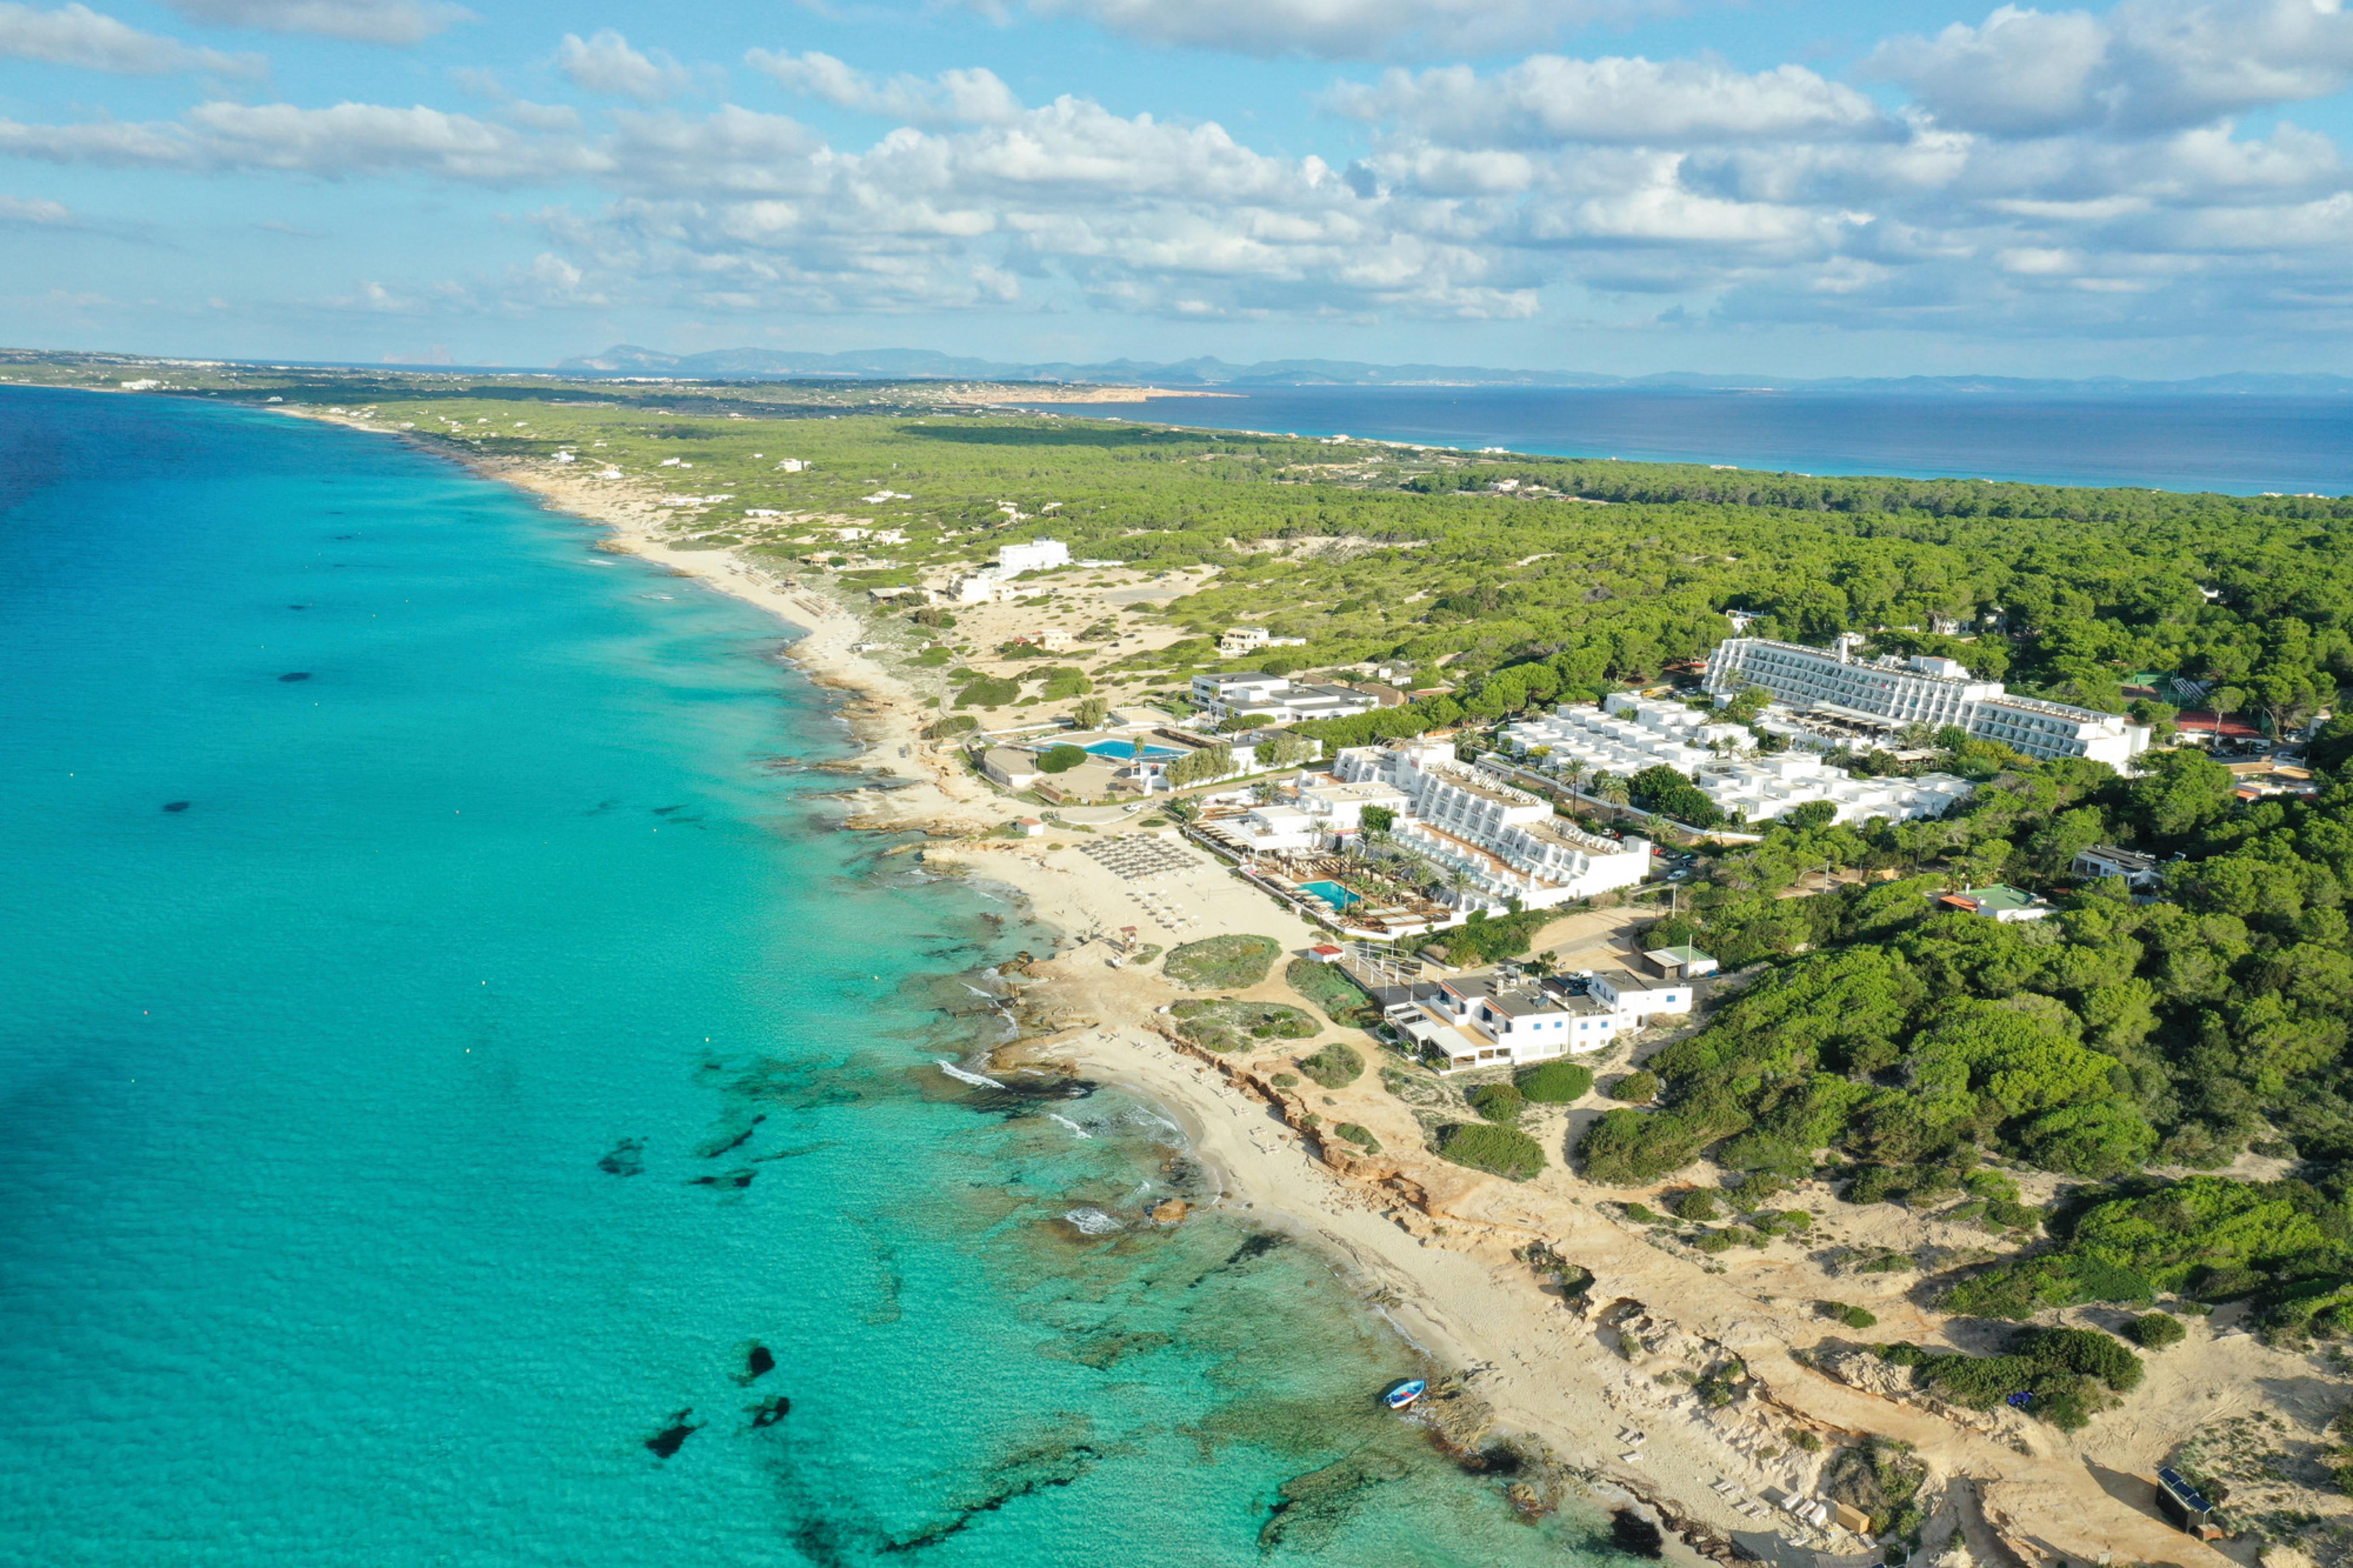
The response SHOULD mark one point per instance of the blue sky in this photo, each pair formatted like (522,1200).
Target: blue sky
(2155,188)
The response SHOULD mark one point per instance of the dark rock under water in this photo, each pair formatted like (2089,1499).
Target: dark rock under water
(673,1436)
(296,675)
(626,1158)
(1017,1096)
(1033,1470)
(1314,1505)
(761,1361)
(768,1411)
(177,804)
(713,1150)
(1629,1532)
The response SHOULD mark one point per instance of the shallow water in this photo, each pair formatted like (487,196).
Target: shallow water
(469,1105)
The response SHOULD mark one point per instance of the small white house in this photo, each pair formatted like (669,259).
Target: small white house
(1037,555)
(2000,902)
(2139,871)
(1639,998)
(1010,766)
(1487,1020)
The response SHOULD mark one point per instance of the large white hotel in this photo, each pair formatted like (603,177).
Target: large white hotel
(1507,843)
(1888,692)
(1627,735)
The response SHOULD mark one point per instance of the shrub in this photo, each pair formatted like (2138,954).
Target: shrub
(2154,1330)
(2087,1351)
(1220,1024)
(1360,1137)
(1637,1087)
(1696,1205)
(1502,1151)
(1286,1081)
(1332,988)
(1715,1241)
(2228,1284)
(1497,1101)
(954,724)
(1852,1317)
(1555,1083)
(1806,1440)
(2014,1216)
(1632,1148)
(1061,759)
(1872,1184)
(1222,962)
(987,692)
(1336,1065)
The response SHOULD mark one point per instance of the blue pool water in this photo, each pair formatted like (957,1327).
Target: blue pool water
(499,1042)
(1333,893)
(1122,750)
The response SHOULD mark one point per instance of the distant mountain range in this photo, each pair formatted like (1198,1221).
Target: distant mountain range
(925,365)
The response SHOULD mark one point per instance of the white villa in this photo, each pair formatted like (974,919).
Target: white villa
(1236,641)
(1037,555)
(1889,692)
(1630,733)
(1495,1020)
(1507,842)
(988,584)
(1276,697)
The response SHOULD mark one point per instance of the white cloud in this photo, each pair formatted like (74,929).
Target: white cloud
(37,212)
(1579,188)
(2023,73)
(2149,66)
(1548,99)
(606,64)
(106,144)
(363,21)
(973,97)
(77,36)
(1352,30)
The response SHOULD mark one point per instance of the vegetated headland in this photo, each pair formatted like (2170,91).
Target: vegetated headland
(1926,1227)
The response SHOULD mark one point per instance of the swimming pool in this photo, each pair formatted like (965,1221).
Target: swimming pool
(1332,893)
(1122,750)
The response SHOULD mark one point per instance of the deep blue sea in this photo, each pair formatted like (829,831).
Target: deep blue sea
(448,1051)
(2240,446)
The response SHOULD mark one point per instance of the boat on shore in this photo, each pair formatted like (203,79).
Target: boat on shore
(1400,1396)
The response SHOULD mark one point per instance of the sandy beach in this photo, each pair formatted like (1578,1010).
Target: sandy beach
(1602,1383)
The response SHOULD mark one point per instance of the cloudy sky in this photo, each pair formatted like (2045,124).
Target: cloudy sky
(1791,187)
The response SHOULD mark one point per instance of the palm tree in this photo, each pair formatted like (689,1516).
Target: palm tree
(1570,768)
(1613,789)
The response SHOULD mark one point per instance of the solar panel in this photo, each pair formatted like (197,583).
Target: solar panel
(2186,1494)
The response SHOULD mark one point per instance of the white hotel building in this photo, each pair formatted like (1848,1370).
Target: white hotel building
(1507,842)
(1891,692)
(1630,733)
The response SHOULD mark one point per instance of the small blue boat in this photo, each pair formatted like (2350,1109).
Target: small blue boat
(1405,1394)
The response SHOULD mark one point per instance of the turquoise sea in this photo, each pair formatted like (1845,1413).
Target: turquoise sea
(449,1052)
